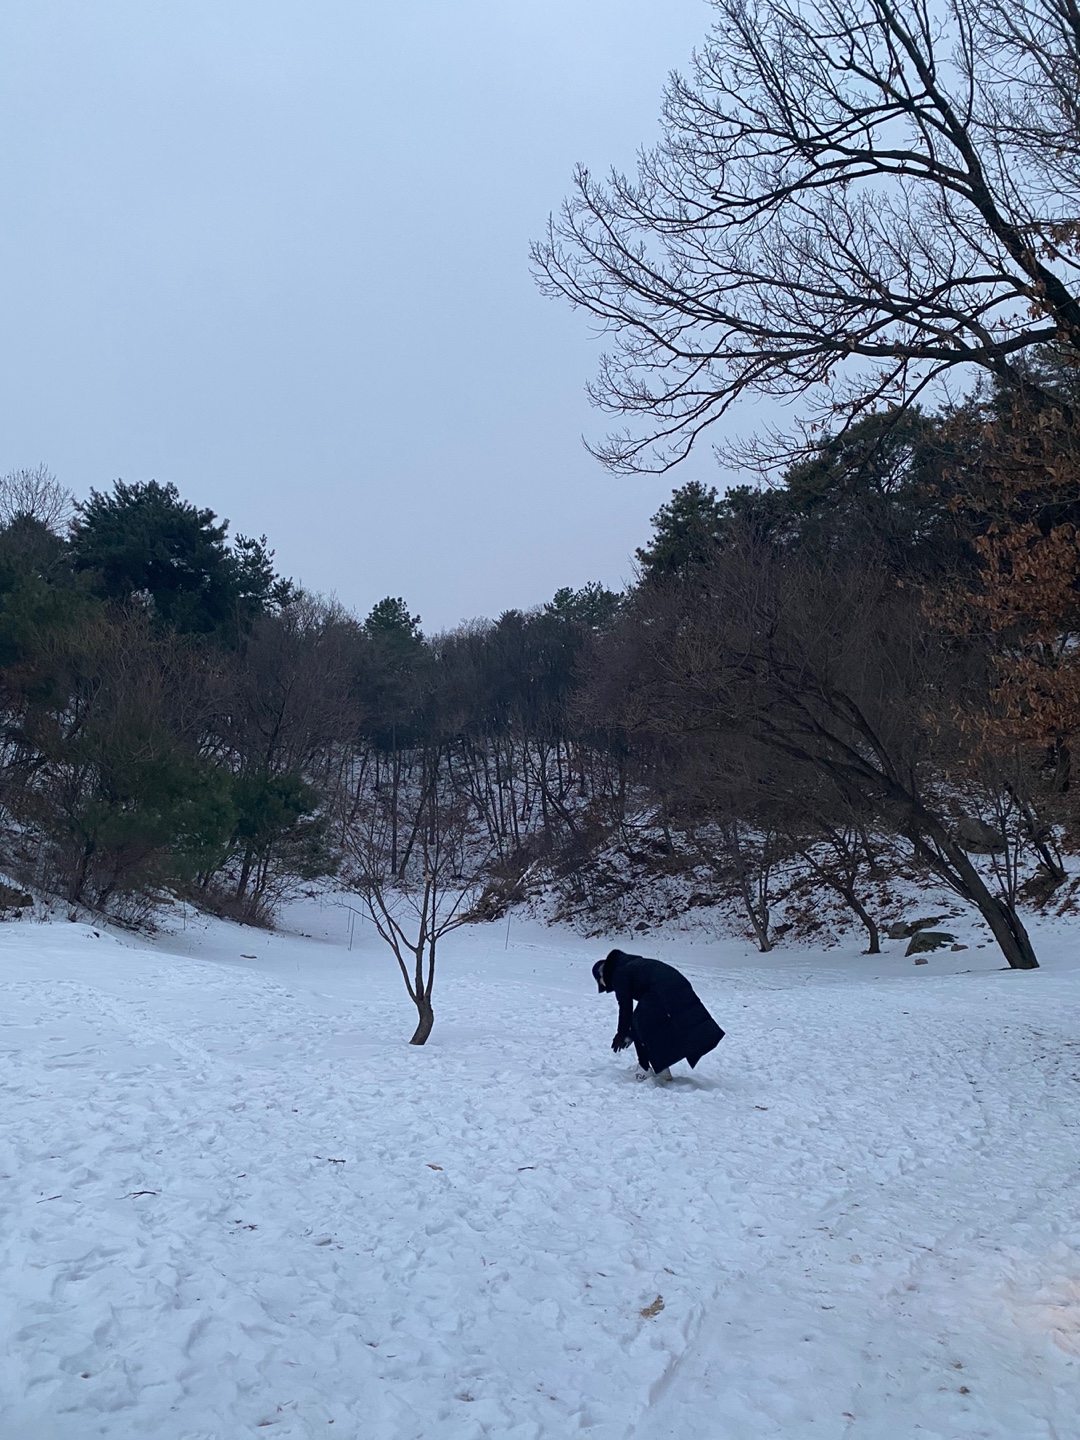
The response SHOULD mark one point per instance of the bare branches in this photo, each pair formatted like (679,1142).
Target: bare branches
(35,495)
(863,194)
(792,687)
(420,856)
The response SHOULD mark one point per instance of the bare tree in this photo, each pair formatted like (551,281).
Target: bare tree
(837,672)
(420,854)
(285,712)
(36,495)
(742,861)
(836,856)
(851,199)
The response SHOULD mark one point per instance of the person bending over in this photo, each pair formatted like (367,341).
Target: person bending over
(659,1013)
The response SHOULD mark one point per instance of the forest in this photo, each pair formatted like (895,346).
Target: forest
(865,670)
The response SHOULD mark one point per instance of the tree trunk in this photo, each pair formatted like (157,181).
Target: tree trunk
(1011,935)
(1051,863)
(867,919)
(1005,924)
(83,872)
(846,890)
(427,1020)
(245,873)
(758,918)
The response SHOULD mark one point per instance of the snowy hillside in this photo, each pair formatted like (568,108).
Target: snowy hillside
(233,1200)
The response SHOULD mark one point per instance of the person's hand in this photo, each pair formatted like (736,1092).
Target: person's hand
(620,1043)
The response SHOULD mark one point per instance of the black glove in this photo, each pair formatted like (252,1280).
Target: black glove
(620,1043)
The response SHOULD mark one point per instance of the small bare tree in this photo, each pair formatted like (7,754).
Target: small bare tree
(36,495)
(743,861)
(836,854)
(420,858)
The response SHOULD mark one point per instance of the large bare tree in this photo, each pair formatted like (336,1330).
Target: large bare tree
(851,200)
(834,670)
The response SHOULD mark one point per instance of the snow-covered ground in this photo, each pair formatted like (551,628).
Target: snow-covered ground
(233,1200)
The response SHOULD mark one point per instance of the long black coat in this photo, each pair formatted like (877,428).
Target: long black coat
(670,1023)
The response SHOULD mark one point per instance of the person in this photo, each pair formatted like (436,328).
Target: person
(669,1022)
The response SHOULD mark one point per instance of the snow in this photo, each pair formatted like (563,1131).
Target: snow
(233,1200)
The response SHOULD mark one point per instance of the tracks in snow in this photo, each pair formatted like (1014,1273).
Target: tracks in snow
(830,1211)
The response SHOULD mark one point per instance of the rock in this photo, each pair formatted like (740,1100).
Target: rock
(1039,887)
(904,929)
(978,838)
(957,947)
(914,926)
(927,941)
(12,899)
(923,961)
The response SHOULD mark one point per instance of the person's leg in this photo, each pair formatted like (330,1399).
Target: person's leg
(642,1058)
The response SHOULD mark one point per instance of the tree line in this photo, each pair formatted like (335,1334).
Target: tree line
(868,665)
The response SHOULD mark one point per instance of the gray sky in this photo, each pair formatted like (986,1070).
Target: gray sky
(275,251)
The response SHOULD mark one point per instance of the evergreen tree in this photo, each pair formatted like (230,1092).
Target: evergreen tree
(686,532)
(877,487)
(389,678)
(143,540)
(593,606)
(390,619)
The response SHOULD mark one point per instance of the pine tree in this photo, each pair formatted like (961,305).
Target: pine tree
(686,532)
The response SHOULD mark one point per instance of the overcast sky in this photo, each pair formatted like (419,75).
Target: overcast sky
(275,251)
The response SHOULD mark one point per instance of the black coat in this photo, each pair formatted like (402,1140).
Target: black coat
(670,1023)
